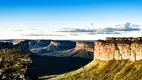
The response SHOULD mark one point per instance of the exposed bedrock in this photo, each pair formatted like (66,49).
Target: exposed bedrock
(88,46)
(17,41)
(118,50)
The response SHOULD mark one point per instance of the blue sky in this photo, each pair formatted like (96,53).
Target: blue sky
(51,14)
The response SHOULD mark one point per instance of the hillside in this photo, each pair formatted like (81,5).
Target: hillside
(38,43)
(14,64)
(114,59)
(22,45)
(72,53)
(104,70)
(60,62)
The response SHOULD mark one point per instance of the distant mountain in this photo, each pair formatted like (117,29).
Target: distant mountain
(8,41)
(23,45)
(56,45)
(71,53)
(38,43)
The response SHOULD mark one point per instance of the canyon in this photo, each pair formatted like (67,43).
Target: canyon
(117,48)
(60,56)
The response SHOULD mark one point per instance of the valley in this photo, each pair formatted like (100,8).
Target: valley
(110,59)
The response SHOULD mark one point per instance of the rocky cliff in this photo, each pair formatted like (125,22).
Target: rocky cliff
(17,41)
(118,49)
(88,46)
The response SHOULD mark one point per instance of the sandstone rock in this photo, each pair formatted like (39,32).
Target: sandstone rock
(89,46)
(124,50)
(104,50)
(136,51)
(17,41)
(118,49)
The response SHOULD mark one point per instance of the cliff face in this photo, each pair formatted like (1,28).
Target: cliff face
(118,50)
(88,46)
(17,41)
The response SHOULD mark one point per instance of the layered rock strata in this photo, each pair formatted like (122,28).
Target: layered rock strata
(118,49)
(88,46)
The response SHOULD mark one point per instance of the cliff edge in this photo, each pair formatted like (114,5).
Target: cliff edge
(118,49)
(88,46)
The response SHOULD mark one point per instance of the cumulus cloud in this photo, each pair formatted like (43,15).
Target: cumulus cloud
(118,28)
(84,33)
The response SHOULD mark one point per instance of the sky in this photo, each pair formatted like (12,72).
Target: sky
(53,14)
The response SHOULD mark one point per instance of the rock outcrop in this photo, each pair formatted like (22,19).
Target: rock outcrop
(118,49)
(88,46)
(17,41)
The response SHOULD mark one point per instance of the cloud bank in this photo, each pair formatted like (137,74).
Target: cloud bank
(106,30)
(90,33)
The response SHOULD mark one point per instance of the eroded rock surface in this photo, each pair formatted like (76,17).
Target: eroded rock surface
(88,46)
(118,49)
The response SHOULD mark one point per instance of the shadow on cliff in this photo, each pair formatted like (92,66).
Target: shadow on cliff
(47,65)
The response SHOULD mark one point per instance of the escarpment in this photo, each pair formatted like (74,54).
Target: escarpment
(118,49)
(88,46)
(17,41)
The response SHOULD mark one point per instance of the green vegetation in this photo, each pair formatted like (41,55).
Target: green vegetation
(72,53)
(104,70)
(13,62)
(84,54)
(60,62)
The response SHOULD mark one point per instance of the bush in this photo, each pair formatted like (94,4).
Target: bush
(13,63)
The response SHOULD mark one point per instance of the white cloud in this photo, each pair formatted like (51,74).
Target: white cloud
(119,30)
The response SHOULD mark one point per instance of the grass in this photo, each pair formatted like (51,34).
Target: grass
(104,70)
(53,65)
